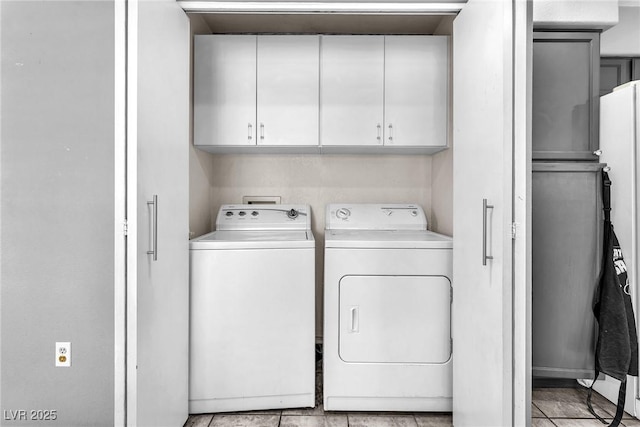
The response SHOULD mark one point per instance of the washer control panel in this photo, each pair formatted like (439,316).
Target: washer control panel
(370,216)
(264,217)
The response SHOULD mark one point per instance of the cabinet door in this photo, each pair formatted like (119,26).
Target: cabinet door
(635,69)
(158,40)
(288,93)
(489,122)
(224,90)
(351,85)
(416,90)
(566,245)
(565,95)
(613,72)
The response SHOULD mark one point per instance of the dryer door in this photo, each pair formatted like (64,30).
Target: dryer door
(395,319)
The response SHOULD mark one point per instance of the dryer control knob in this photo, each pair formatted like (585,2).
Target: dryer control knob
(293,214)
(343,213)
(242,213)
(414,213)
(254,213)
(229,213)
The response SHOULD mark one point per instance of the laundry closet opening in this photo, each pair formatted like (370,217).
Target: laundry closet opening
(310,177)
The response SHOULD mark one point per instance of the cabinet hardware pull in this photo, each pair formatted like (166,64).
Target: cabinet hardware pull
(354,320)
(261,130)
(154,234)
(250,127)
(390,132)
(379,137)
(485,208)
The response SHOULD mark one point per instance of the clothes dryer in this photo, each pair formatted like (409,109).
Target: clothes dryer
(387,310)
(252,312)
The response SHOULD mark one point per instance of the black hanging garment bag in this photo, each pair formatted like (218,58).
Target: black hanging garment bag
(617,345)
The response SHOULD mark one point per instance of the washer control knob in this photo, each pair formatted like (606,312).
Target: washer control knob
(254,213)
(414,213)
(242,213)
(343,213)
(229,213)
(293,214)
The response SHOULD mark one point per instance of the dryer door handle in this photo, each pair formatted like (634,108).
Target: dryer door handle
(355,319)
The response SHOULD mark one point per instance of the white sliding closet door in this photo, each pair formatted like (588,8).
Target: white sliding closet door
(488,385)
(157,209)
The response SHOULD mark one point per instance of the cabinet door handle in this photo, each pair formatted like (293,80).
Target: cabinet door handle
(379,138)
(250,128)
(354,320)
(261,130)
(154,233)
(390,132)
(485,208)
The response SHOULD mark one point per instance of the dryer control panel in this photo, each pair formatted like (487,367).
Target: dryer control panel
(264,217)
(370,216)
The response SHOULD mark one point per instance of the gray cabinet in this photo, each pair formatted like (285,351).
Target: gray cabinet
(565,95)
(613,72)
(566,253)
(617,71)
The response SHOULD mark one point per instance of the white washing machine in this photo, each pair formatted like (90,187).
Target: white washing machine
(387,310)
(252,339)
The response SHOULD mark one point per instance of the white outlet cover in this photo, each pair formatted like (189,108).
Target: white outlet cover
(63,349)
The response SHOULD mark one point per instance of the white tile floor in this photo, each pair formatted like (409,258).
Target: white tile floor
(551,407)
(277,419)
(567,407)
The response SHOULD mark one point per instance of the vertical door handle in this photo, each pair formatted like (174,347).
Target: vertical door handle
(379,137)
(355,321)
(261,130)
(390,132)
(154,233)
(485,208)
(250,128)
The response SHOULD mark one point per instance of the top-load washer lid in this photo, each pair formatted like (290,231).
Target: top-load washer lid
(264,217)
(254,239)
(369,216)
(259,227)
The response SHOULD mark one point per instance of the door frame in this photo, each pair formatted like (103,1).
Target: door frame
(125,196)
(522,176)
(120,212)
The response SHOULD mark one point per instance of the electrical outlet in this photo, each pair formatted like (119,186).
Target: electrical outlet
(63,355)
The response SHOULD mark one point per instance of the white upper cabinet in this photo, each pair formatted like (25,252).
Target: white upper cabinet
(352,90)
(384,91)
(301,93)
(225,90)
(288,94)
(256,91)
(416,91)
